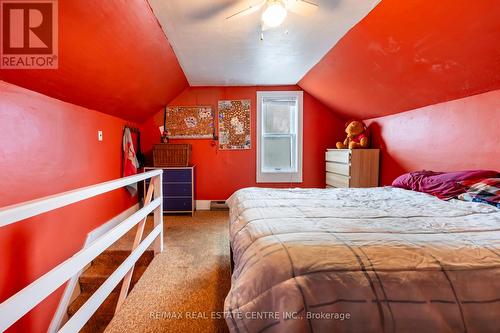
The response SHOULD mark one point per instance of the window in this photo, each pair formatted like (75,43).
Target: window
(279,136)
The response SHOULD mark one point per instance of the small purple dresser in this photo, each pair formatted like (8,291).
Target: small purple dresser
(178,189)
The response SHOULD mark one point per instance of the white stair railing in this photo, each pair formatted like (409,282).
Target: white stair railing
(15,307)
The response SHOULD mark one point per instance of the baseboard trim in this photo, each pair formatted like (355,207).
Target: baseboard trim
(60,316)
(203,204)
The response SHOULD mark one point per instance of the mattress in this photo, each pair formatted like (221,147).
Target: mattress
(362,260)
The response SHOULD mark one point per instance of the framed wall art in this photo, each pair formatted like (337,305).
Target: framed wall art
(234,124)
(190,122)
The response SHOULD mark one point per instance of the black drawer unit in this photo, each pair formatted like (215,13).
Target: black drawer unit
(178,189)
(177,205)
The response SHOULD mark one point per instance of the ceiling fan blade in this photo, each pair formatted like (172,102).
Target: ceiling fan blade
(247,11)
(302,7)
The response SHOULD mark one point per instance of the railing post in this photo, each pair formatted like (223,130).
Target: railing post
(138,237)
(158,213)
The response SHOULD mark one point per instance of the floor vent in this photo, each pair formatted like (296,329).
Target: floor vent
(218,205)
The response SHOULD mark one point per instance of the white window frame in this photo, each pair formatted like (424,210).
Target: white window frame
(280,176)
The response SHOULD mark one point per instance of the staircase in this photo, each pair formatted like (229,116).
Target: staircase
(94,276)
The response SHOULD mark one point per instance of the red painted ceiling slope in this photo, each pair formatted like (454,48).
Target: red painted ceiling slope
(113,57)
(409,54)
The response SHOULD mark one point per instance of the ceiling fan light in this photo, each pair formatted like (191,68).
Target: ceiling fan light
(274,14)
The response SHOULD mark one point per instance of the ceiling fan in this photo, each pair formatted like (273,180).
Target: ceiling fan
(276,11)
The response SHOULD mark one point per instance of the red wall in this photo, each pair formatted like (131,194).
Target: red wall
(219,173)
(457,135)
(408,54)
(113,57)
(46,147)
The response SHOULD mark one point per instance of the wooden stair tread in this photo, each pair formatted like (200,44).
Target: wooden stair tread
(98,271)
(101,318)
(95,275)
(91,281)
(93,328)
(106,308)
(116,257)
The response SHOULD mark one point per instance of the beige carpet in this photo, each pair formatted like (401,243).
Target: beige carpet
(185,286)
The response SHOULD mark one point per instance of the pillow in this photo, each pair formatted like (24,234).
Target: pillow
(443,185)
(486,191)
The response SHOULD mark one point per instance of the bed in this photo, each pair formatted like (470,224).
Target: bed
(362,260)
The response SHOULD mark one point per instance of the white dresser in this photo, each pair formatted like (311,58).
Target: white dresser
(352,167)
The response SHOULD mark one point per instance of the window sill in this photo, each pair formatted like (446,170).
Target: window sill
(279,177)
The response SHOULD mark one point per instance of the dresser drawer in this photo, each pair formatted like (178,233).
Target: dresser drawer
(177,190)
(177,176)
(336,180)
(340,168)
(340,156)
(177,204)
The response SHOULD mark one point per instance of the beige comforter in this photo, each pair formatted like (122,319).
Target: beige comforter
(362,260)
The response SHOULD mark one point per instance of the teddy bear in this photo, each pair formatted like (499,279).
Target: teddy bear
(357,136)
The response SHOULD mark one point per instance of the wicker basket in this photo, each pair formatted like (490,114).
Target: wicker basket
(171,155)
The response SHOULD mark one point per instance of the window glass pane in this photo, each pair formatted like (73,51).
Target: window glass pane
(277,116)
(277,153)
